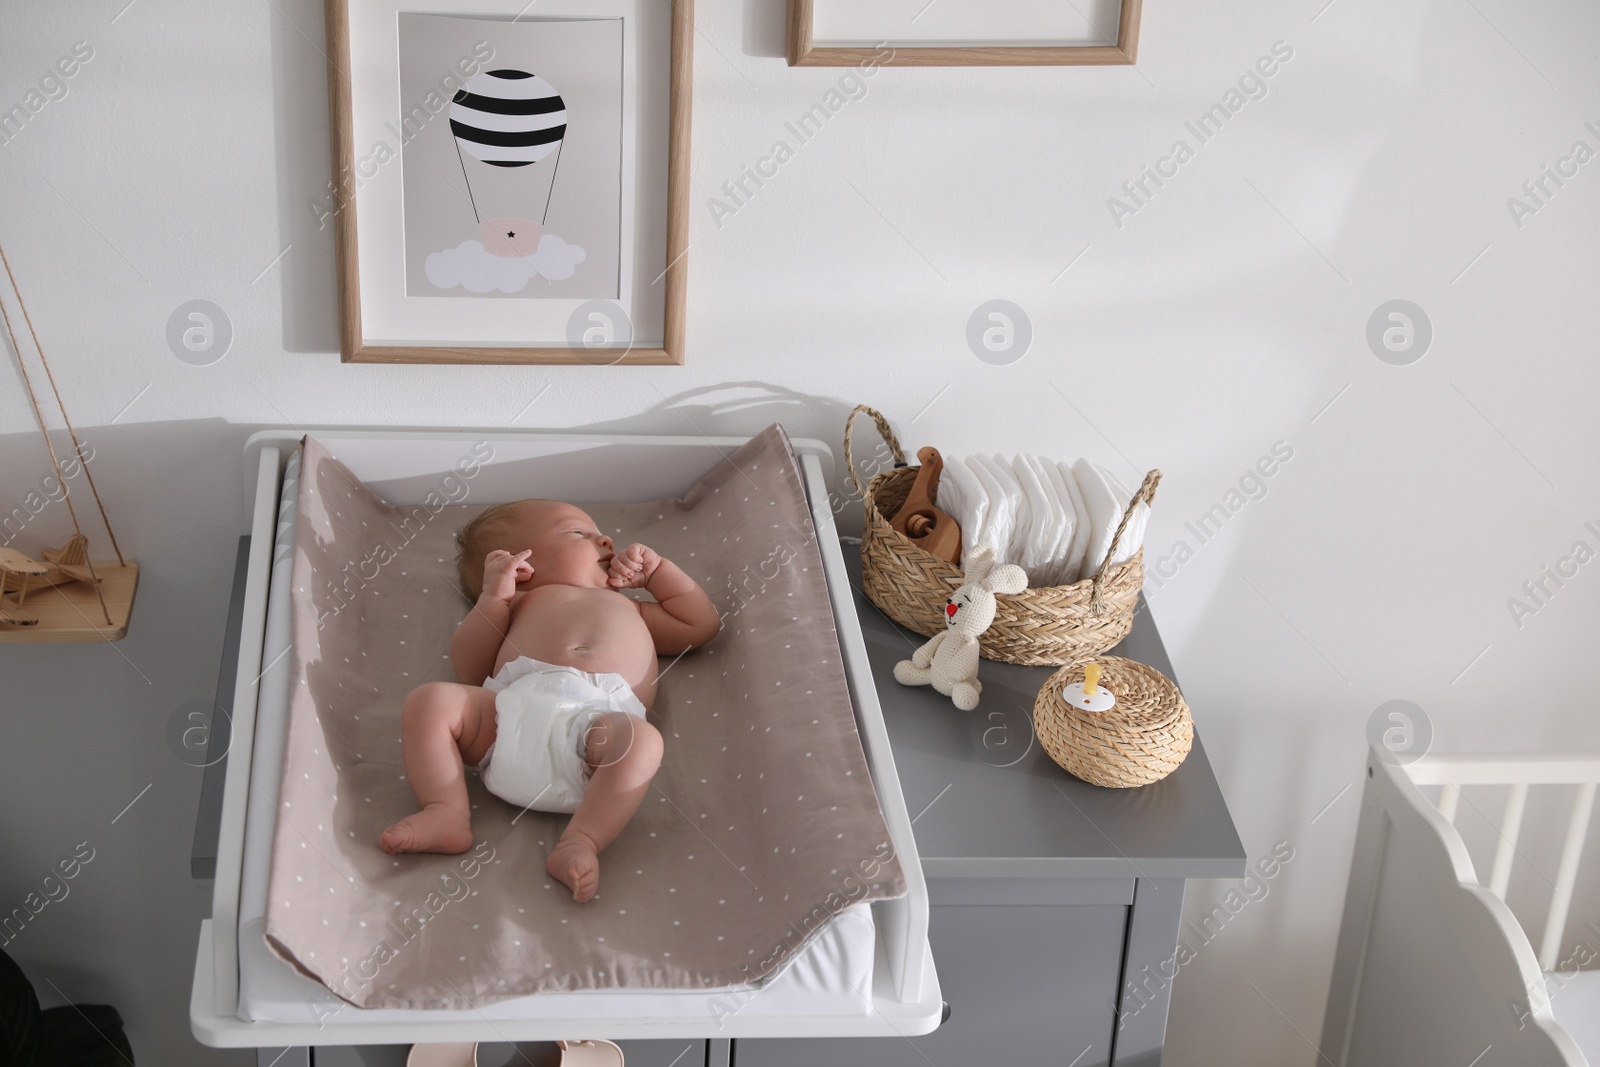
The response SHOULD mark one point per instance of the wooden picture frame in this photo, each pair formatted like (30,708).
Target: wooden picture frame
(804,52)
(357,347)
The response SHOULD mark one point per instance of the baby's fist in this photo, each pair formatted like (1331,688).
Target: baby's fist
(632,567)
(502,571)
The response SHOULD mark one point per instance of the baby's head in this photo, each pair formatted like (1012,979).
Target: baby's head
(567,547)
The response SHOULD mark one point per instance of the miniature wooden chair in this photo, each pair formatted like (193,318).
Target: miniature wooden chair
(11,615)
(15,570)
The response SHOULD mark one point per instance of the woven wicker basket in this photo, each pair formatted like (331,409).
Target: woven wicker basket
(1036,627)
(1141,740)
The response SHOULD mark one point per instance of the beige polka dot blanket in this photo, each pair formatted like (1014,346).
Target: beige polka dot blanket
(761,824)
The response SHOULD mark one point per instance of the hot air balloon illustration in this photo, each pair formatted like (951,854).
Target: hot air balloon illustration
(509,120)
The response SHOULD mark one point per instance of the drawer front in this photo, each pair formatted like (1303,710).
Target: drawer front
(1028,986)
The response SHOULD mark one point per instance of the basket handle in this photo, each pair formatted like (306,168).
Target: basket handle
(883,430)
(1145,495)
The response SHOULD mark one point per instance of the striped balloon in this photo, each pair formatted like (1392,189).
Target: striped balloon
(508,118)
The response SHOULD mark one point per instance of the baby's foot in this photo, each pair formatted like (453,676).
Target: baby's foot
(575,865)
(436,828)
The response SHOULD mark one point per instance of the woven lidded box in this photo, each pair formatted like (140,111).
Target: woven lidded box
(1141,740)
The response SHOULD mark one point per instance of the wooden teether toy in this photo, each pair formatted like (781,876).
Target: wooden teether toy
(930,529)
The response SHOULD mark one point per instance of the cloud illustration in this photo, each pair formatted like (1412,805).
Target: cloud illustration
(469,266)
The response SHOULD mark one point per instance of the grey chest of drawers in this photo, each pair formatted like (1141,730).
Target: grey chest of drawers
(1054,904)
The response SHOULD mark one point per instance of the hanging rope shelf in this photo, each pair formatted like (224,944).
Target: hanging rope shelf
(74,597)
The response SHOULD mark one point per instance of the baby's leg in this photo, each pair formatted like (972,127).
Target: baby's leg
(444,726)
(625,752)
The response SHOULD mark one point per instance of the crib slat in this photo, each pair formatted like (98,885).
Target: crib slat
(1448,799)
(1566,876)
(1510,829)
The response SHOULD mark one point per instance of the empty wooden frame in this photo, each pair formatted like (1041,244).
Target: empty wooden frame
(910,51)
(386,314)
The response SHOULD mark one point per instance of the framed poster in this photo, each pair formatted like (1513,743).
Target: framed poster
(962,33)
(510,188)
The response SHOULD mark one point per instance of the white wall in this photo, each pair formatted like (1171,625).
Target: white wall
(1225,315)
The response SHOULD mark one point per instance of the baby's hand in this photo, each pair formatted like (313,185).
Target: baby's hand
(633,567)
(502,571)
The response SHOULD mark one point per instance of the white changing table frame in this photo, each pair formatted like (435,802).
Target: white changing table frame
(403,467)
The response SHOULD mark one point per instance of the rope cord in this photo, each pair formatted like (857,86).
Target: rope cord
(71,431)
(55,462)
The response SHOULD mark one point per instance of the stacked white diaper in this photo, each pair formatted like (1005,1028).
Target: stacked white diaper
(1055,521)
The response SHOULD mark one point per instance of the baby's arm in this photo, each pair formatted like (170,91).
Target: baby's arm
(683,616)
(477,640)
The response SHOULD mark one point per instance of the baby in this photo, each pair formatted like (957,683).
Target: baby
(557,670)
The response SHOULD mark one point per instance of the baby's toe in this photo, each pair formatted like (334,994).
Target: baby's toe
(586,879)
(396,838)
(577,869)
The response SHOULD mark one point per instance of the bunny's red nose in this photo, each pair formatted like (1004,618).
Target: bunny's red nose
(950,610)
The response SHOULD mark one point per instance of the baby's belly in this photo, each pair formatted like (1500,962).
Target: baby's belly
(604,638)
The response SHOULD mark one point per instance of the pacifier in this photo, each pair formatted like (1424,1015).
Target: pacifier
(1089,694)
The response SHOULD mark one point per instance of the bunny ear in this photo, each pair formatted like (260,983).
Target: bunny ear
(978,562)
(1008,578)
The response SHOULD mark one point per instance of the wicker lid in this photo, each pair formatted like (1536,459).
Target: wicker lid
(1141,740)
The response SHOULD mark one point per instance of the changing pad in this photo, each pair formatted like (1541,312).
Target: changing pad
(761,825)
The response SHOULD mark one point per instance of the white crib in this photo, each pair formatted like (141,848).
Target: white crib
(1432,967)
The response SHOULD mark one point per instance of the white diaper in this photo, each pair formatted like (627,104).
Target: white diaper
(542,713)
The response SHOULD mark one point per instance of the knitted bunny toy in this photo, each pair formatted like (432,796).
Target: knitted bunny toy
(949,661)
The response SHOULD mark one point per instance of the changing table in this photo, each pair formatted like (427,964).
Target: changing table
(1055,904)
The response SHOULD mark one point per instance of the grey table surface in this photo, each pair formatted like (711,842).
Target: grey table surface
(987,801)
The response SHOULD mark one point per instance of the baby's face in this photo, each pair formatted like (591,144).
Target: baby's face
(568,548)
